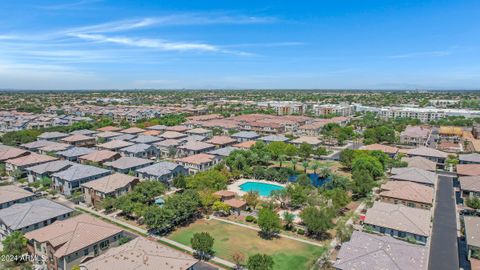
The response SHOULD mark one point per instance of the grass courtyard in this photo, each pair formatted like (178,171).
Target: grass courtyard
(287,254)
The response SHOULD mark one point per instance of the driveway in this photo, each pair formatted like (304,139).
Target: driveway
(443,245)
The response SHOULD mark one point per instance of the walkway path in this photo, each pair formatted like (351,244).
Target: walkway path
(258,229)
(143,231)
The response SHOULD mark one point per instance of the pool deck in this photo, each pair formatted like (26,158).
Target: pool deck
(235,187)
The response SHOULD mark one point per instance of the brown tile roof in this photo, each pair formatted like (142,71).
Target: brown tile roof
(235,203)
(172,135)
(152,132)
(195,146)
(132,130)
(221,140)
(108,128)
(76,138)
(110,183)
(114,144)
(427,152)
(470,183)
(245,145)
(12,153)
(31,159)
(409,191)
(12,193)
(141,254)
(225,193)
(306,139)
(177,128)
(99,156)
(74,234)
(421,163)
(380,147)
(468,169)
(197,159)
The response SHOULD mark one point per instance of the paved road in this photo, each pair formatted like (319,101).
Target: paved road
(443,247)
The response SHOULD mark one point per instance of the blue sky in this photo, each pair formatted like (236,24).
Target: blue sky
(121,44)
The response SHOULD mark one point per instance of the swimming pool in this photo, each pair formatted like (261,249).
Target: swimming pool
(264,189)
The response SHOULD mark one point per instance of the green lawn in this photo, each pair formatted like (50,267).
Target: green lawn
(287,254)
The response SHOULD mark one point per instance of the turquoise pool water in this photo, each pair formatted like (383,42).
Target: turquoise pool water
(263,189)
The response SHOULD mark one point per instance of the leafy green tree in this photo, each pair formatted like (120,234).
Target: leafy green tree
(368,163)
(304,180)
(202,243)
(220,206)
(207,198)
(298,195)
(363,182)
(305,166)
(280,195)
(473,202)
(211,179)
(346,157)
(260,262)
(251,198)
(180,181)
(288,218)
(269,222)
(344,232)
(317,221)
(238,258)
(338,196)
(305,150)
(108,203)
(15,244)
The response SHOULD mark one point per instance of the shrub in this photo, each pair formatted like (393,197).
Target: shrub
(301,231)
(250,219)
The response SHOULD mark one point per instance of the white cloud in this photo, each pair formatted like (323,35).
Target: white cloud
(421,54)
(70,5)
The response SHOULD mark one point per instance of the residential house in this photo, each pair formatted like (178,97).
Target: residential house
(99,157)
(124,137)
(37,172)
(237,205)
(53,147)
(421,163)
(194,147)
(151,132)
(16,167)
(10,195)
(69,180)
(198,162)
(8,152)
(243,136)
(469,186)
(472,236)
(370,251)
(468,169)
(274,138)
(225,195)
(163,171)
(200,131)
(114,145)
(144,254)
(86,132)
(74,153)
(140,150)
(245,145)
(450,147)
(146,139)
(221,141)
(172,135)
(415,135)
(127,164)
(473,158)
(450,133)
(407,193)
(112,185)
(109,129)
(415,175)
(31,215)
(179,128)
(399,221)
(157,127)
(35,145)
(107,136)
(79,140)
(70,242)
(168,148)
(437,156)
(223,152)
(391,151)
(132,130)
(52,136)
(311,140)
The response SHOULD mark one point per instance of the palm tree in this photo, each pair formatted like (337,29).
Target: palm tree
(282,158)
(288,219)
(305,166)
(294,163)
(315,166)
(325,172)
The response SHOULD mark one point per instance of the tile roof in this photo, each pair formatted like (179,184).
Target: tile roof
(136,148)
(12,193)
(224,152)
(472,230)
(11,153)
(157,127)
(167,143)
(52,135)
(108,128)
(177,128)
(221,140)
(132,130)
(146,139)
(159,169)
(421,163)
(50,167)
(141,254)
(474,157)
(108,134)
(37,144)
(380,147)
(127,163)
(245,145)
(468,169)
(406,190)
(152,132)
(367,251)
(400,218)
(80,171)
(196,146)
(246,135)
(77,138)
(110,183)
(83,132)
(235,203)
(21,215)
(274,138)
(306,139)
(414,175)
(114,144)
(54,147)
(197,159)
(125,137)
(75,152)
(31,159)
(199,131)
(74,234)
(416,132)
(99,156)
(172,135)
(470,183)
(427,152)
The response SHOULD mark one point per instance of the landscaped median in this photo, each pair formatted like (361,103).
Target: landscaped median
(230,239)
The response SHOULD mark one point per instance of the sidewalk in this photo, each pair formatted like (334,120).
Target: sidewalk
(162,239)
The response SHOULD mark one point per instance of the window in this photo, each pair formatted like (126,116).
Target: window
(85,252)
(104,244)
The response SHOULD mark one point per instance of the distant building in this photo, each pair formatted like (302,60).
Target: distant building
(198,162)
(163,171)
(128,164)
(10,195)
(407,193)
(284,107)
(415,135)
(69,180)
(112,185)
(333,109)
